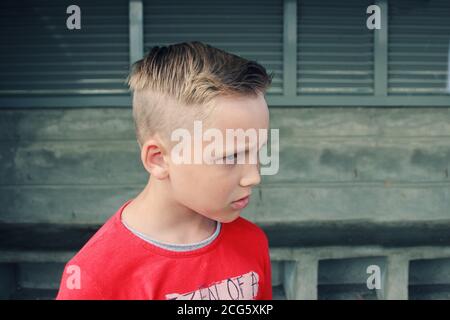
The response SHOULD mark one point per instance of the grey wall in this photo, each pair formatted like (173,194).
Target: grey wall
(356,186)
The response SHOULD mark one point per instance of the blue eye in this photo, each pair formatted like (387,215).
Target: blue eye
(231,157)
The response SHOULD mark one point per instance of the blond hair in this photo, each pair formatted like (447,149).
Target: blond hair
(176,82)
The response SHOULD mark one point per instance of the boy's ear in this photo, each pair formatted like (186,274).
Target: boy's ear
(153,159)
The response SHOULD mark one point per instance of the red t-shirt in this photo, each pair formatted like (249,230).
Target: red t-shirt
(117,264)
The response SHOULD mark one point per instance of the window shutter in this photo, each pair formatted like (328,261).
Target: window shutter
(41,56)
(252,29)
(335,48)
(419,36)
(429,279)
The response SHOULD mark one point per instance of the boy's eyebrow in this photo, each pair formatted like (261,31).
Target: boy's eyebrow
(241,151)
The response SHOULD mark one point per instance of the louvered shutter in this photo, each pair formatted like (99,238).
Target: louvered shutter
(335,48)
(41,56)
(429,279)
(250,28)
(419,37)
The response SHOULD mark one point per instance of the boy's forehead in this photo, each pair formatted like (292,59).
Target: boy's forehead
(240,112)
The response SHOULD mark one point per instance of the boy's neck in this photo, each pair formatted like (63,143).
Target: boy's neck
(154,213)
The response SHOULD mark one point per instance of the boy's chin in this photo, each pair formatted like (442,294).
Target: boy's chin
(230,217)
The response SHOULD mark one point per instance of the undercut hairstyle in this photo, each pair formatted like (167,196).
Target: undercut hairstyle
(175,84)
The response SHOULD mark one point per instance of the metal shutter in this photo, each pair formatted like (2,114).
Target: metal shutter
(40,56)
(429,279)
(419,35)
(250,28)
(335,48)
(346,279)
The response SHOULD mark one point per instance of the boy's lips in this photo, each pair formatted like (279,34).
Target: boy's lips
(241,203)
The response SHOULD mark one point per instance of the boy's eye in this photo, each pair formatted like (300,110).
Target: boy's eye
(231,157)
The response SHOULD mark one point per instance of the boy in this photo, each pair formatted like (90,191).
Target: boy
(182,236)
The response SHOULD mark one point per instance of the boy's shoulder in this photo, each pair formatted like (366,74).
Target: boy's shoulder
(111,255)
(113,242)
(251,234)
(249,230)
(107,246)
(113,239)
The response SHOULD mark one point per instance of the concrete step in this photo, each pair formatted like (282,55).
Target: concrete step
(33,294)
(329,273)
(51,236)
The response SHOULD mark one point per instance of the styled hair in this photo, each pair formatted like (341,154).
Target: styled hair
(176,82)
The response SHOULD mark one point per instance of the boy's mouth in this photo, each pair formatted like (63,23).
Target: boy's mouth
(241,203)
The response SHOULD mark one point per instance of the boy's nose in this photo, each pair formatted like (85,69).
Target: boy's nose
(251,175)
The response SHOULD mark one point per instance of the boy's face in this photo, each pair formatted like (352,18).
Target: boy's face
(213,189)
